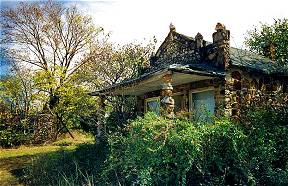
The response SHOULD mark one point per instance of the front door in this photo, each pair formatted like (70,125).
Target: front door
(203,105)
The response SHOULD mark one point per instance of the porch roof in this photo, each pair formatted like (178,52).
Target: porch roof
(152,81)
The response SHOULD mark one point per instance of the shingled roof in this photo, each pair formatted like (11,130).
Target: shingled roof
(253,62)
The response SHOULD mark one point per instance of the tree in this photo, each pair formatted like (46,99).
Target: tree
(51,38)
(116,63)
(67,57)
(16,100)
(52,41)
(270,40)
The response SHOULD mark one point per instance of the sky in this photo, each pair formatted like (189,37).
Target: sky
(135,20)
(140,20)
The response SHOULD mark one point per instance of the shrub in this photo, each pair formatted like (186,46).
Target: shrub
(160,151)
(266,129)
(14,133)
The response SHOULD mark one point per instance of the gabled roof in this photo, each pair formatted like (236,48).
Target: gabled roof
(238,58)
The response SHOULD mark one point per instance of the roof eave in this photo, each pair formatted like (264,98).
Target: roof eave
(109,90)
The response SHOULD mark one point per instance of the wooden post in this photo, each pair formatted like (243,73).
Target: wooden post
(167,102)
(101,131)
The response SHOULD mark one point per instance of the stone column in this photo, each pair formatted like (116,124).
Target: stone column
(101,131)
(228,94)
(167,102)
(222,38)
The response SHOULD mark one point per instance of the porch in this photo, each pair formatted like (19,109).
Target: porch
(177,89)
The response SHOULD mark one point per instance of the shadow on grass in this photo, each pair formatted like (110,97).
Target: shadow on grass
(64,167)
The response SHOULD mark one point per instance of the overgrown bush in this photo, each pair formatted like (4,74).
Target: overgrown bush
(161,151)
(266,129)
(14,133)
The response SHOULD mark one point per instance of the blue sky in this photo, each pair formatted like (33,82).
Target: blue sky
(140,20)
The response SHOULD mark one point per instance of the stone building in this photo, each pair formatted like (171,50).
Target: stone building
(195,78)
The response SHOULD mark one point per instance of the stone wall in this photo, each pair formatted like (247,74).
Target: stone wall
(244,89)
(239,89)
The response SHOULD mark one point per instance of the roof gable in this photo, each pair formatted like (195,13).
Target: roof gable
(218,55)
(175,49)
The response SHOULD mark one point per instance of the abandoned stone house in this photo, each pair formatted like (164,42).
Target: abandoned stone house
(189,76)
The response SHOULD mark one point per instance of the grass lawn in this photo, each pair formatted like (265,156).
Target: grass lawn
(12,161)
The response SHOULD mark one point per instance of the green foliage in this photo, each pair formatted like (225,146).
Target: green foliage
(122,109)
(267,131)
(15,107)
(160,151)
(270,40)
(75,105)
(14,134)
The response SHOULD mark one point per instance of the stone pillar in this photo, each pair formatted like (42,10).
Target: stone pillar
(167,102)
(228,95)
(219,91)
(172,28)
(222,39)
(101,131)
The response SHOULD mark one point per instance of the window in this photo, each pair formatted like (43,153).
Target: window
(203,105)
(152,105)
(178,99)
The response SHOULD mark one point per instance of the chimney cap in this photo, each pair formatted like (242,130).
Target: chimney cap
(220,26)
(172,27)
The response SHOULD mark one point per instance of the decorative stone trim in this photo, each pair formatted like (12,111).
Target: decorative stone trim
(167,102)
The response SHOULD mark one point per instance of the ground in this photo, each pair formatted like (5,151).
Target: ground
(12,161)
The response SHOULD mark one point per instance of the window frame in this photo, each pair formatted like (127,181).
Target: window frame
(157,98)
(198,90)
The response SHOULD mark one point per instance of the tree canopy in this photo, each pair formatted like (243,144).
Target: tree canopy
(48,36)
(58,55)
(270,40)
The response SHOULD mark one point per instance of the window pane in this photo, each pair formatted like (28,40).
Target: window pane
(177,103)
(203,105)
(153,106)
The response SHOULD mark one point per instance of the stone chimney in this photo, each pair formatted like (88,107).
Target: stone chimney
(199,40)
(221,40)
